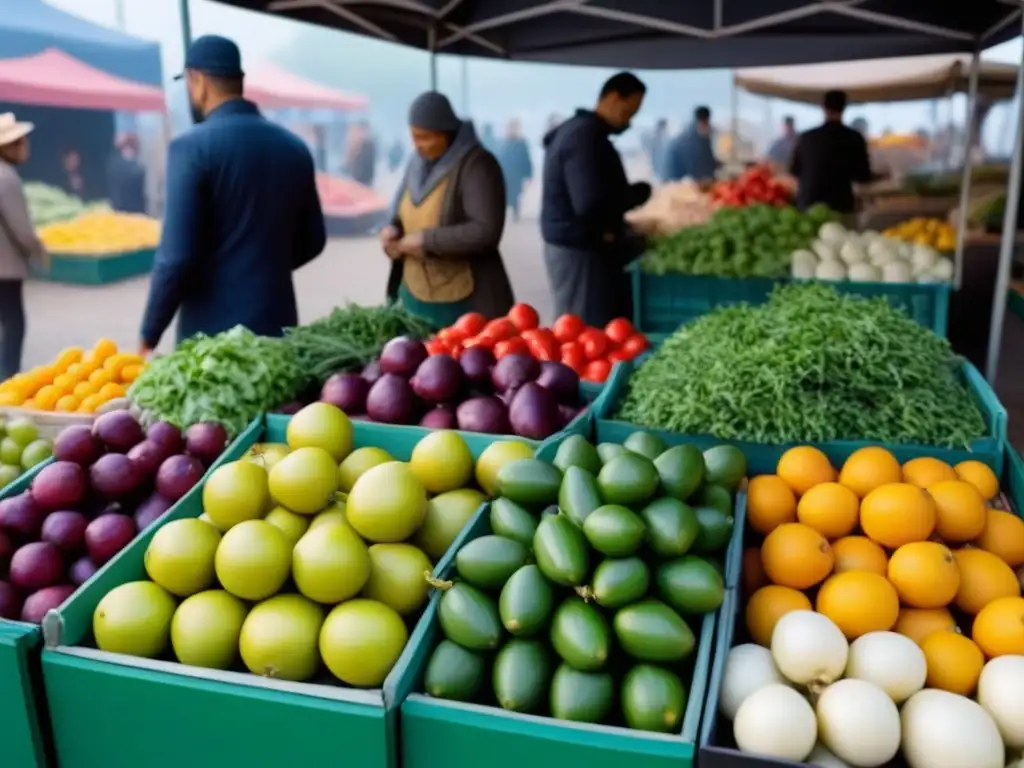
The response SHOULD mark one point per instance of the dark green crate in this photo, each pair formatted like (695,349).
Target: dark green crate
(98,269)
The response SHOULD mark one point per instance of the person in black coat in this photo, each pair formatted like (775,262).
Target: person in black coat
(126,176)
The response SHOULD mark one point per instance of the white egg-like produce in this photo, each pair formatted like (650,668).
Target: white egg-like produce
(893,662)
(859,723)
(776,721)
(822,758)
(809,649)
(748,668)
(1001,693)
(944,730)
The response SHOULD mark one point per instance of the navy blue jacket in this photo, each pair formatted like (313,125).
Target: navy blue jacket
(690,154)
(126,183)
(242,212)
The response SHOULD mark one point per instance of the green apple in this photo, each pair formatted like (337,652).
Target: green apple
(3,427)
(10,451)
(8,474)
(22,431)
(35,452)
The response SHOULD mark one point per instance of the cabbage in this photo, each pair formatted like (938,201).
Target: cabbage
(833,233)
(852,252)
(865,273)
(825,251)
(802,264)
(830,270)
(897,272)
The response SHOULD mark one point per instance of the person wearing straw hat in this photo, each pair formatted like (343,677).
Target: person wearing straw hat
(19,243)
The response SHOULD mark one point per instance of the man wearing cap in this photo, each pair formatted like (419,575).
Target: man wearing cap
(242,211)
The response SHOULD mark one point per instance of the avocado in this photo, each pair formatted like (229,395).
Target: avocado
(716,496)
(469,617)
(725,465)
(620,582)
(651,631)
(583,697)
(512,521)
(653,699)
(454,673)
(487,562)
(578,495)
(691,585)
(614,530)
(627,480)
(526,602)
(672,526)
(522,671)
(681,471)
(645,444)
(580,635)
(608,451)
(576,451)
(530,482)
(715,530)
(561,550)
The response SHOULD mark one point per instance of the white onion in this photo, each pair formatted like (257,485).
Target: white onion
(822,758)
(776,721)
(889,660)
(859,723)
(944,730)
(748,667)
(1001,693)
(809,649)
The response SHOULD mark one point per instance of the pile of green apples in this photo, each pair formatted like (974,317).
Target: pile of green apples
(21,448)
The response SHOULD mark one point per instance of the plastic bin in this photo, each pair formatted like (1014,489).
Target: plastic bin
(661,303)
(98,269)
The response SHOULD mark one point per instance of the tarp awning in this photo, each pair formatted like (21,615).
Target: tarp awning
(55,79)
(274,88)
(897,79)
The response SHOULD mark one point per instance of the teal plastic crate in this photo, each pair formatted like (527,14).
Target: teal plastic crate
(98,269)
(435,732)
(661,303)
(763,458)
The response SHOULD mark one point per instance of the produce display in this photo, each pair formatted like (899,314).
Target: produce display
(839,254)
(752,241)
(755,186)
(883,613)
(230,378)
(77,381)
(937,233)
(21,448)
(590,352)
(809,365)
(106,483)
(582,603)
(307,555)
(475,393)
(47,205)
(101,232)
(670,208)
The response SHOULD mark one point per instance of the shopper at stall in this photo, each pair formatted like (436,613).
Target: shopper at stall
(584,197)
(73,181)
(361,155)
(657,146)
(489,140)
(126,176)
(690,154)
(242,211)
(19,243)
(780,153)
(447,222)
(516,165)
(830,159)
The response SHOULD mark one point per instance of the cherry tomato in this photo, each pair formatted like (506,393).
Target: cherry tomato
(523,317)
(618,330)
(500,329)
(635,344)
(595,343)
(597,371)
(513,346)
(436,347)
(452,337)
(573,356)
(470,323)
(618,356)
(542,347)
(568,328)
(482,340)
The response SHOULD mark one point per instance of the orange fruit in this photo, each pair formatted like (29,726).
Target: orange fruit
(754,576)
(770,503)
(30,405)
(797,556)
(67,404)
(111,390)
(858,603)
(998,628)
(130,373)
(90,404)
(804,467)
(83,389)
(1003,536)
(64,382)
(99,377)
(919,623)
(103,349)
(12,399)
(830,509)
(767,606)
(925,574)
(926,471)
(68,357)
(954,662)
(859,553)
(42,376)
(46,398)
(897,514)
(960,509)
(869,467)
(983,578)
(980,476)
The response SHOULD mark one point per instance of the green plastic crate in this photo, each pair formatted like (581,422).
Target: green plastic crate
(763,458)
(661,303)
(98,269)
(437,733)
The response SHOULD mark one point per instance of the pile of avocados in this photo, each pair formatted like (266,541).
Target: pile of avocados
(584,601)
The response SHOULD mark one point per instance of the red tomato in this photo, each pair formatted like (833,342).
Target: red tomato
(595,343)
(470,323)
(487,342)
(500,329)
(543,348)
(513,346)
(436,347)
(635,344)
(568,328)
(523,317)
(618,330)
(573,356)
(452,337)
(618,356)
(597,371)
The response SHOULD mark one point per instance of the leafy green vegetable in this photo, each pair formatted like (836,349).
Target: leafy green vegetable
(352,336)
(755,241)
(229,378)
(811,365)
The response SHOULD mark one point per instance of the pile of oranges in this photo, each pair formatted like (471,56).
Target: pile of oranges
(917,549)
(77,381)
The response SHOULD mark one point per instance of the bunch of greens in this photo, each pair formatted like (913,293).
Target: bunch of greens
(810,365)
(351,336)
(755,241)
(229,378)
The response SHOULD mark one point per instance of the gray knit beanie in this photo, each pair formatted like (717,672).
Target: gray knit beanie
(432,111)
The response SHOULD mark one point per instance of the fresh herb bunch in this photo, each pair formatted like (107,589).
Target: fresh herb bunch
(755,241)
(351,336)
(229,378)
(808,366)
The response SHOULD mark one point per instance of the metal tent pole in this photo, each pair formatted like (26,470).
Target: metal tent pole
(995,336)
(734,143)
(432,48)
(186,26)
(965,179)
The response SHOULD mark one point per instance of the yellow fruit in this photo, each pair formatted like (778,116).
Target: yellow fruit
(954,662)
(42,376)
(103,349)
(926,471)
(77,371)
(925,574)
(67,404)
(897,514)
(1003,536)
(111,391)
(797,556)
(919,623)
(804,467)
(830,509)
(983,579)
(130,373)
(999,628)
(960,509)
(83,389)
(859,553)
(64,382)
(68,357)
(90,404)
(99,377)
(858,603)
(980,476)
(46,398)
(867,468)
(767,606)
(12,399)
(770,503)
